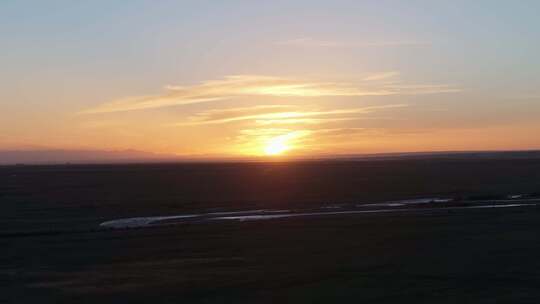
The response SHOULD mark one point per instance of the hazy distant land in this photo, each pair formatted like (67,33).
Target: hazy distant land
(58,156)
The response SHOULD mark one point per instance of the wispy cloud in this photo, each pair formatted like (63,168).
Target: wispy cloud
(248,135)
(279,114)
(404,89)
(381,76)
(302,121)
(259,85)
(339,131)
(312,42)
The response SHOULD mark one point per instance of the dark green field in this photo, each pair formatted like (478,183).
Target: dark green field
(55,252)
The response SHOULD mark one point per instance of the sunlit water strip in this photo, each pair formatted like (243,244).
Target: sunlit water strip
(305,214)
(135,222)
(254,215)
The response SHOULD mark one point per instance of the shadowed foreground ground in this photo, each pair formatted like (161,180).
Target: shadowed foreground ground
(56,254)
(474,256)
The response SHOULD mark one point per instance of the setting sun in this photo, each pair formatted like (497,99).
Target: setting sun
(276,146)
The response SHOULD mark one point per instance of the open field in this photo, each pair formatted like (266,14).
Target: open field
(55,250)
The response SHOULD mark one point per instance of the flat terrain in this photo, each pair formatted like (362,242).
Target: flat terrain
(54,250)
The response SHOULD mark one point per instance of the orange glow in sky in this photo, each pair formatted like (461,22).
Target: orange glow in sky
(309,79)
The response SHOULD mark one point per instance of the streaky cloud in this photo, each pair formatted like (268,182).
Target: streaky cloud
(260,85)
(279,114)
(381,76)
(300,121)
(320,43)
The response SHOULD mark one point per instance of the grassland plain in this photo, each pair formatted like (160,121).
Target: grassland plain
(55,252)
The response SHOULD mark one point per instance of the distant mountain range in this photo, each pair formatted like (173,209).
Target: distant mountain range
(80,156)
(526,154)
(12,157)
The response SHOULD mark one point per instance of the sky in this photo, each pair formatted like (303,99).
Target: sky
(269,78)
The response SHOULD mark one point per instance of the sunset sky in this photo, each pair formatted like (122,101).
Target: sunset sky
(255,78)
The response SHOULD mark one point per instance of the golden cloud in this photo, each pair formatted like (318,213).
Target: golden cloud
(258,85)
(279,114)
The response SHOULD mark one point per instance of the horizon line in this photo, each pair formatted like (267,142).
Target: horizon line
(173,159)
